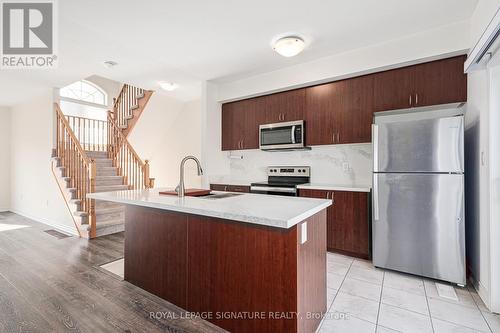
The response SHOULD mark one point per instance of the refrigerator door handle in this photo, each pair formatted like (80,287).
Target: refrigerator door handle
(375,147)
(376,212)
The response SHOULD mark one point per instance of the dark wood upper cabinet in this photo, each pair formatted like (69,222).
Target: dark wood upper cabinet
(342,111)
(285,106)
(322,102)
(393,89)
(355,116)
(440,82)
(230,140)
(432,83)
(240,124)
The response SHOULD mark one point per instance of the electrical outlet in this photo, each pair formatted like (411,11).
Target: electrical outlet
(345,166)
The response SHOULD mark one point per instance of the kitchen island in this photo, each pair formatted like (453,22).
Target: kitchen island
(245,262)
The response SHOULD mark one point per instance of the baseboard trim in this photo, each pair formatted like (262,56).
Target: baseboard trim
(482,291)
(70,230)
(4,209)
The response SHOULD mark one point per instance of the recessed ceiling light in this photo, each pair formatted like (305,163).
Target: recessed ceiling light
(168,86)
(289,46)
(110,64)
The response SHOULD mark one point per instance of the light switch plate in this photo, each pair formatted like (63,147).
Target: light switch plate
(303,233)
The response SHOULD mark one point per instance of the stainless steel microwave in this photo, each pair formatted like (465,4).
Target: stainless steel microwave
(286,135)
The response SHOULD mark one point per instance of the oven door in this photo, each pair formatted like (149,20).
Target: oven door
(274,190)
(289,135)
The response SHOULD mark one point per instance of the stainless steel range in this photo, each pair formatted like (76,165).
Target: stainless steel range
(283,180)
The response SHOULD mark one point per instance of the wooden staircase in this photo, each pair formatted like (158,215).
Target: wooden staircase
(95,156)
(129,106)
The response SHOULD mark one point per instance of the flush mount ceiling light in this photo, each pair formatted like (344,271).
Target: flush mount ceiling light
(289,46)
(168,86)
(110,64)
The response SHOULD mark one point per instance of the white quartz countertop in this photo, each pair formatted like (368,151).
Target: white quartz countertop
(268,210)
(335,187)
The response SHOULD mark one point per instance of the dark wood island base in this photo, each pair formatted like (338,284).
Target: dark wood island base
(242,277)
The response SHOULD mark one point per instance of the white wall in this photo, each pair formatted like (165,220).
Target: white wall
(484,12)
(87,110)
(5,160)
(476,177)
(82,110)
(111,87)
(494,181)
(215,162)
(446,40)
(34,191)
(167,131)
(481,128)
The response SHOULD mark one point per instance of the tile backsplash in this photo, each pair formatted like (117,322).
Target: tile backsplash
(339,164)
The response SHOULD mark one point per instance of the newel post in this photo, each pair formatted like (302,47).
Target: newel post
(92,218)
(146,174)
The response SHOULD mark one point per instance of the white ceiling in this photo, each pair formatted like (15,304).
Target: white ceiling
(190,41)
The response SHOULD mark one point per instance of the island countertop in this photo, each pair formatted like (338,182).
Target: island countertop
(268,210)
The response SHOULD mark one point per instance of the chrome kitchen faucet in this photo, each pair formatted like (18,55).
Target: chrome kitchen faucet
(180,188)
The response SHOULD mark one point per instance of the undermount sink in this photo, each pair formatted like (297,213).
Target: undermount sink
(214,196)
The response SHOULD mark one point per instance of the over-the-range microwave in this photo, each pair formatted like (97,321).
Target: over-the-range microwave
(282,136)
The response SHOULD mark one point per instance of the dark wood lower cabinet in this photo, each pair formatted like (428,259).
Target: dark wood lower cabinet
(162,269)
(247,278)
(348,224)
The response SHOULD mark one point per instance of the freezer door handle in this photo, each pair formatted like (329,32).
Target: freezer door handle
(375,147)
(376,213)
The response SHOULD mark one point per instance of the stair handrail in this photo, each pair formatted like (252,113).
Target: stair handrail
(117,144)
(80,169)
(65,122)
(119,97)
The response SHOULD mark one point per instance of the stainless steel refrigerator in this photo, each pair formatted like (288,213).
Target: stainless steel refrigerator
(418,195)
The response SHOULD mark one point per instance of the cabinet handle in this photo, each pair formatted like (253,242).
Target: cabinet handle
(225,188)
(410,100)
(327,195)
(338,137)
(416,99)
(333,137)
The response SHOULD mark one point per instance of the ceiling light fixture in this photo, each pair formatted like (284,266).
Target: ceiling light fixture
(289,46)
(110,64)
(168,86)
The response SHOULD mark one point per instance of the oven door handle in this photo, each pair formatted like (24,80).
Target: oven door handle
(272,189)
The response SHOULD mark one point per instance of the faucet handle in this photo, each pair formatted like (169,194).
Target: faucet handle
(177,189)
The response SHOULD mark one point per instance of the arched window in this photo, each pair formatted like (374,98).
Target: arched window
(84,91)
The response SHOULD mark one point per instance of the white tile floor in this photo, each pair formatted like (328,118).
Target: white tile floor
(116,267)
(362,298)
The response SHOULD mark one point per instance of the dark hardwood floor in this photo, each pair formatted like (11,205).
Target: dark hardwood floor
(55,285)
